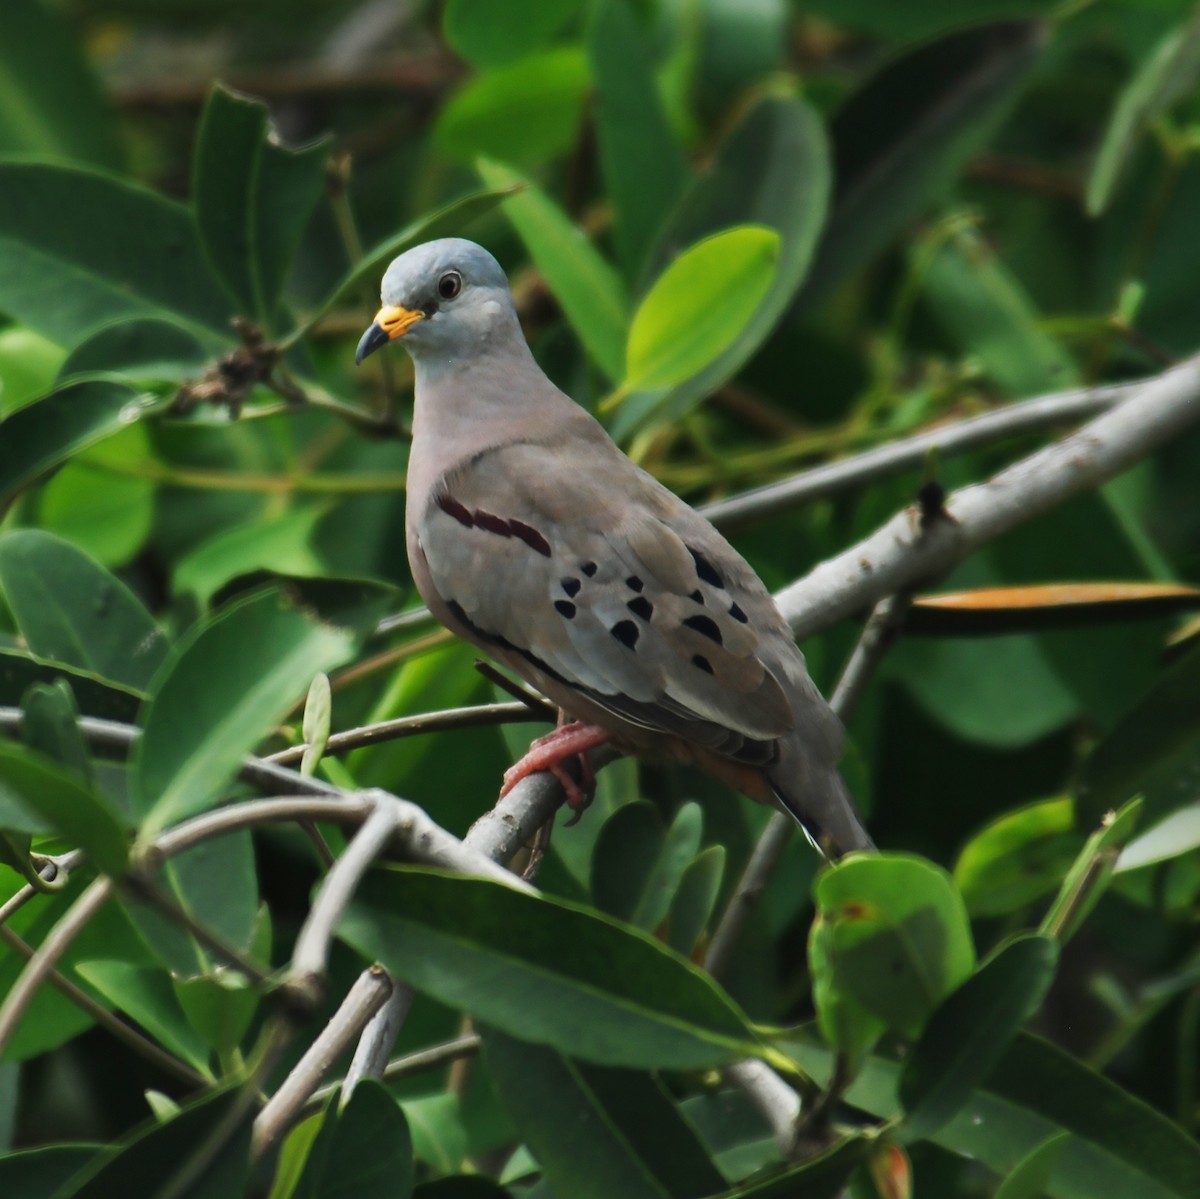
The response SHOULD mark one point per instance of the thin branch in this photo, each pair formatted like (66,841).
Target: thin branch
(906,553)
(15,902)
(374,1047)
(833,478)
(777,1102)
(110,1021)
(363,1000)
(57,941)
(411,726)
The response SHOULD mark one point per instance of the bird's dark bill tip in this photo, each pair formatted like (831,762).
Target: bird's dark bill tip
(372,339)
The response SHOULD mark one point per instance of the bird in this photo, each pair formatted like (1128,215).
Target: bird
(532,536)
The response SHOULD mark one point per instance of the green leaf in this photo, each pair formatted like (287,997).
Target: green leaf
(1177,835)
(41,435)
(143,349)
(1168,74)
(487,36)
(447,221)
(220,1006)
(547,971)
(438,1135)
(39,1173)
(822,1177)
(699,305)
(221,692)
(1017,858)
(253,198)
(524,112)
(695,900)
(51,797)
(50,726)
(891,936)
(906,133)
(50,101)
(203,1153)
(773,170)
(94,271)
(364,1149)
(28,365)
(145,996)
(95,697)
(107,516)
(1153,747)
(1030,1177)
(596,1131)
(1118,1146)
(645,169)
(587,287)
(70,609)
(970,1030)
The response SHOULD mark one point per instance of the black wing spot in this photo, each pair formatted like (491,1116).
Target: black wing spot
(461,513)
(705,569)
(491,522)
(697,597)
(626,632)
(634,583)
(641,607)
(702,663)
(588,568)
(570,586)
(531,537)
(739,615)
(565,608)
(706,626)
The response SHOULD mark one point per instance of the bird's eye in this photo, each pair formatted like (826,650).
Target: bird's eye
(449,285)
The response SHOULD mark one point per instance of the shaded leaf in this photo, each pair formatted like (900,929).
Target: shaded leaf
(966,1035)
(486,34)
(224,688)
(695,900)
(93,272)
(821,1177)
(142,348)
(699,305)
(597,1131)
(39,1173)
(547,971)
(1029,1178)
(252,198)
(587,287)
(50,726)
(70,609)
(645,169)
(95,696)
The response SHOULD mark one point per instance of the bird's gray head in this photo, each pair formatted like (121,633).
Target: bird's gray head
(446,298)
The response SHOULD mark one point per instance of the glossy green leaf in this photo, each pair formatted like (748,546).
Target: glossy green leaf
(252,198)
(39,1173)
(41,435)
(699,305)
(50,101)
(95,696)
(92,272)
(220,1006)
(908,131)
(53,797)
(221,692)
(107,516)
(547,971)
(645,169)
(524,112)
(486,34)
(693,904)
(145,996)
(598,1132)
(438,1135)
(28,365)
(143,348)
(968,1032)
(1118,1146)
(1168,75)
(70,609)
(1017,858)
(203,1153)
(1173,837)
(1152,747)
(773,170)
(365,1149)
(891,936)
(1028,1180)
(587,287)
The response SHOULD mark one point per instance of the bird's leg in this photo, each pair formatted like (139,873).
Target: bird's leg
(551,751)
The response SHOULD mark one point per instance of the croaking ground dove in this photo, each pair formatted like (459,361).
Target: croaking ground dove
(532,536)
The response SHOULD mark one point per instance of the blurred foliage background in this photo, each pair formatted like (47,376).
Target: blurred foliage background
(974,202)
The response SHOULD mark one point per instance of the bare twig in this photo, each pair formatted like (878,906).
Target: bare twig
(904,553)
(369,992)
(15,902)
(375,1045)
(777,1102)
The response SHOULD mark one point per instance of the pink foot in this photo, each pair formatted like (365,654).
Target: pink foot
(551,751)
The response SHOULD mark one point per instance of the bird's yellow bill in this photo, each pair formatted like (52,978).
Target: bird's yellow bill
(390,322)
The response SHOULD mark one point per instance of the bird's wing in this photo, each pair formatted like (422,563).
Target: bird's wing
(579,563)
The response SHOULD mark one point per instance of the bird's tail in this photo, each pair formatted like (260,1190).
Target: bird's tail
(819,801)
